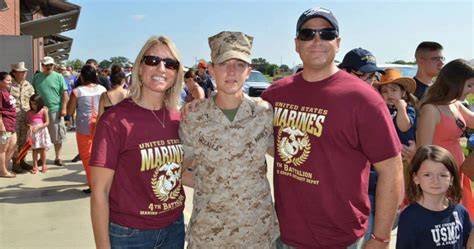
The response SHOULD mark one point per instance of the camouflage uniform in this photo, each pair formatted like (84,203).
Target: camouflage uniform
(232,203)
(22,93)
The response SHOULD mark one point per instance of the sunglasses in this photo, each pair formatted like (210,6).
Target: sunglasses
(324,34)
(369,77)
(152,61)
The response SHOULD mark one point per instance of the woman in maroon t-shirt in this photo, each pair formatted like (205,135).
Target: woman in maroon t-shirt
(7,125)
(137,197)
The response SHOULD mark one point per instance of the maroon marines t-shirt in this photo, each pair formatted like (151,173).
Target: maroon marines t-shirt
(146,191)
(8,111)
(326,133)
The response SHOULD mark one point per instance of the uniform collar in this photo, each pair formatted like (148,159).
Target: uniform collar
(246,109)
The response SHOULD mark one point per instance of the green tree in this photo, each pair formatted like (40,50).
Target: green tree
(105,64)
(119,60)
(260,61)
(76,64)
(284,68)
(402,62)
(260,64)
(271,69)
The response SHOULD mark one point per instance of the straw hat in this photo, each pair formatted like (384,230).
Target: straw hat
(393,76)
(19,67)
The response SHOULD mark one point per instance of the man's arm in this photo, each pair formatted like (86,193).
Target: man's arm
(388,195)
(64,100)
(428,117)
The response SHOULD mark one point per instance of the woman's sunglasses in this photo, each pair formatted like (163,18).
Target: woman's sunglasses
(152,61)
(324,34)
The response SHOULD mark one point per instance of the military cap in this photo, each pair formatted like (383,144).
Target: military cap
(230,45)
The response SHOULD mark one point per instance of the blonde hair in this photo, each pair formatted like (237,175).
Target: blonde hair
(172,97)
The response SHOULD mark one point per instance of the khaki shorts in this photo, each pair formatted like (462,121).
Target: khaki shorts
(56,128)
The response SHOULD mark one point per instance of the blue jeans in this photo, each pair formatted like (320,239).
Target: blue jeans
(371,218)
(170,237)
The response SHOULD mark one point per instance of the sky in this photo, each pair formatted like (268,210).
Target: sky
(390,29)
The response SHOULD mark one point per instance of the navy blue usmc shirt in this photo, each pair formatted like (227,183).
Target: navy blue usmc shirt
(421,228)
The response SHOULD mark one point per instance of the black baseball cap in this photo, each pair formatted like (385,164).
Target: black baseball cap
(362,60)
(317,12)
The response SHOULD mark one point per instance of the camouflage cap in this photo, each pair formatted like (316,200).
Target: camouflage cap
(230,45)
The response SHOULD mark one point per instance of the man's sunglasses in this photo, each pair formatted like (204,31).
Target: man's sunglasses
(151,61)
(324,34)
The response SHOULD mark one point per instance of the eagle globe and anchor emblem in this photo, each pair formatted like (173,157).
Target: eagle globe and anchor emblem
(165,179)
(293,145)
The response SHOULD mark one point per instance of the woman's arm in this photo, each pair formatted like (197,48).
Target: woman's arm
(470,240)
(100,185)
(2,126)
(467,167)
(199,93)
(467,114)
(72,103)
(101,105)
(428,118)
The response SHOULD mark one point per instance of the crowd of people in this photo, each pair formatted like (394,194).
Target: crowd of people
(354,145)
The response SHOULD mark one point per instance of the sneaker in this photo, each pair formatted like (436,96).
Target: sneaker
(59,162)
(77,158)
(24,165)
(16,168)
(86,191)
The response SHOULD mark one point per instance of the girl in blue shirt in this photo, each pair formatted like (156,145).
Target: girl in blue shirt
(434,218)
(397,91)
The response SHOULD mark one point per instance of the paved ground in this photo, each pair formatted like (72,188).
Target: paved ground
(49,210)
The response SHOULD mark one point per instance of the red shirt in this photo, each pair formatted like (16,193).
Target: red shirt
(7,110)
(326,133)
(146,191)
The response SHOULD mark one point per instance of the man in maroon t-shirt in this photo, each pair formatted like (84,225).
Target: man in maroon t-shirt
(329,126)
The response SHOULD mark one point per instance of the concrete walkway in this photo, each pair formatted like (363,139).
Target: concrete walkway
(47,210)
(50,211)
